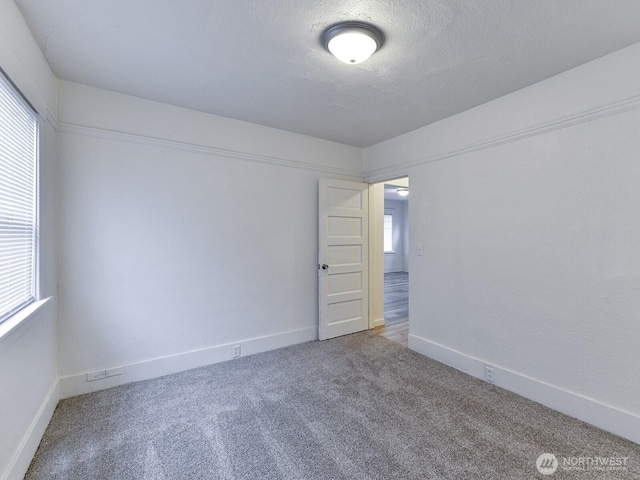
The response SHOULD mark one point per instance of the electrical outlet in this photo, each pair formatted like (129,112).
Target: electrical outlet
(112,372)
(489,374)
(236,351)
(96,375)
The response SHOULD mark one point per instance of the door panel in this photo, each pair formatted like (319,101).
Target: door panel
(343,251)
(344,255)
(340,283)
(344,227)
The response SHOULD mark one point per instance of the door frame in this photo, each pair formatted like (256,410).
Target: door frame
(376,249)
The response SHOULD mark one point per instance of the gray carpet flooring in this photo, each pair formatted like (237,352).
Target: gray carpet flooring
(356,407)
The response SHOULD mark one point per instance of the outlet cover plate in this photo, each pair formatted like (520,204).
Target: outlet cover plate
(93,376)
(489,374)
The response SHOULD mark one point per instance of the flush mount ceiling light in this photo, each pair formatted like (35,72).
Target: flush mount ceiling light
(352,42)
(403,192)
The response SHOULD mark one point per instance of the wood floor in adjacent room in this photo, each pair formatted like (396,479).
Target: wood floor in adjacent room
(396,308)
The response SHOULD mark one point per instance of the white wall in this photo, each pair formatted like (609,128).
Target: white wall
(395,262)
(173,236)
(28,392)
(527,208)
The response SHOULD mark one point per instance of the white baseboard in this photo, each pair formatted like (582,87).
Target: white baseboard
(378,322)
(73,385)
(27,448)
(606,417)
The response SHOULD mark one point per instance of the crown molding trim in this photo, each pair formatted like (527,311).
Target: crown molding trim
(138,139)
(586,116)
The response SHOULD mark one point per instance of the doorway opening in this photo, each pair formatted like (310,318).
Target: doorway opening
(395,259)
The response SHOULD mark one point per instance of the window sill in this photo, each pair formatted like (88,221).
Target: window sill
(389,253)
(13,323)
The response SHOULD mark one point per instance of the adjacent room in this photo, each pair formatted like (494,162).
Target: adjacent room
(193,259)
(396,261)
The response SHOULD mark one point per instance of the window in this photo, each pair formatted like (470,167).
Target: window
(18,161)
(388,233)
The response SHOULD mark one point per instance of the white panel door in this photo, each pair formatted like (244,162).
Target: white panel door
(343,258)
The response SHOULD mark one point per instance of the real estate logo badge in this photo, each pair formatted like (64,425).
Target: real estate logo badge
(548,463)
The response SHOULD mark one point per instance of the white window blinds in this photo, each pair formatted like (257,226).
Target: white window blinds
(18,159)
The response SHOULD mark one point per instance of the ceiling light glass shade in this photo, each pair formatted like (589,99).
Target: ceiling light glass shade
(352,47)
(403,192)
(352,42)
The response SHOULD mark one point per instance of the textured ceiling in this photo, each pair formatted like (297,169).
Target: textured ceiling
(262,61)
